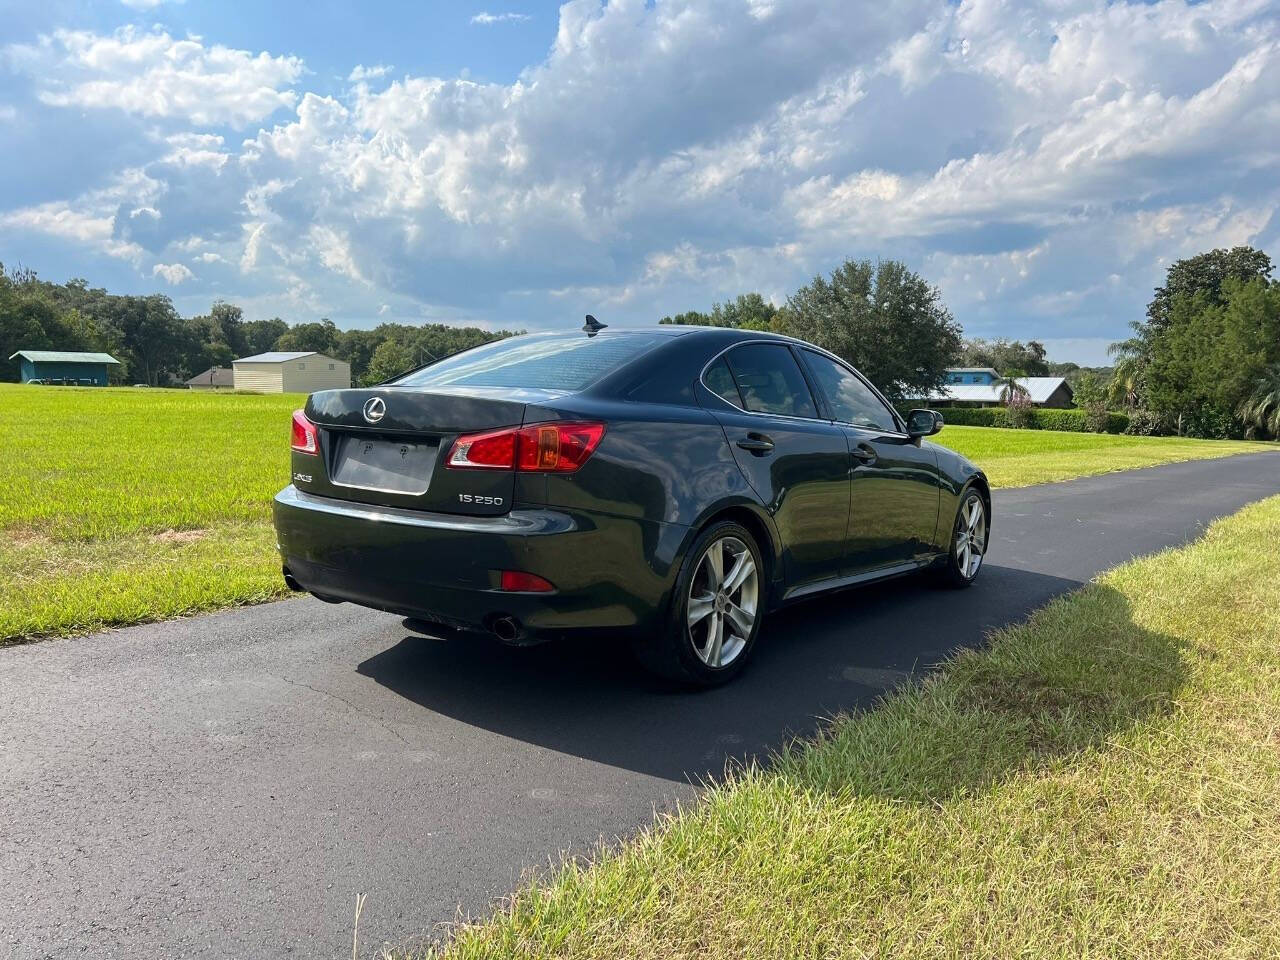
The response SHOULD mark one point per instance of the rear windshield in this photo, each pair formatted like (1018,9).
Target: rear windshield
(549,362)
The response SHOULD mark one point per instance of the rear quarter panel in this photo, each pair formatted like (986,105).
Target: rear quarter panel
(666,467)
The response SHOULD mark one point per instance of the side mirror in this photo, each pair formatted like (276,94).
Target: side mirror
(923,423)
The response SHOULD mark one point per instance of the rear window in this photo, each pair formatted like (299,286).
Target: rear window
(770,380)
(536,362)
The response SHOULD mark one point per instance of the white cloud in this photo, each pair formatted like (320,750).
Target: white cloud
(64,222)
(172,273)
(148,4)
(362,73)
(1039,161)
(485,18)
(155,75)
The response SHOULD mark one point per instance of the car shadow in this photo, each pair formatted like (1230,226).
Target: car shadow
(587,698)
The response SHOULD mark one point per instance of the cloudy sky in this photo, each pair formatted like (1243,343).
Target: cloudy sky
(525,163)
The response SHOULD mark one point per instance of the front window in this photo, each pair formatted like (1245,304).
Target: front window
(852,401)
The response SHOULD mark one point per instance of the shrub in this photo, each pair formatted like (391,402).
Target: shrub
(1019,409)
(1072,421)
(1147,423)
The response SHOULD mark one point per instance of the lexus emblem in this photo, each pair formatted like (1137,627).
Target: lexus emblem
(375,408)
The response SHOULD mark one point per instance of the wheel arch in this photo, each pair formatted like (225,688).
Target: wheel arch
(980,483)
(759,524)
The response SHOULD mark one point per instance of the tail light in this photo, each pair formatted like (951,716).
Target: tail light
(517,581)
(305,437)
(538,448)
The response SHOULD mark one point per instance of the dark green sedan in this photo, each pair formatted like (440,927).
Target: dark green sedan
(669,486)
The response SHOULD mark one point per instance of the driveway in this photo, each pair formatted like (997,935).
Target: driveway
(225,786)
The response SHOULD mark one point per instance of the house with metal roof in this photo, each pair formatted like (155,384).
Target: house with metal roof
(290,372)
(215,378)
(982,387)
(69,368)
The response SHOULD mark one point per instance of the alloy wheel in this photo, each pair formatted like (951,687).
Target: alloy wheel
(723,601)
(971,537)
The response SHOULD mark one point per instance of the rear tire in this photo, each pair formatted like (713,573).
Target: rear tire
(715,611)
(968,546)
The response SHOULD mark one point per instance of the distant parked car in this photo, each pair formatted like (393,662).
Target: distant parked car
(674,484)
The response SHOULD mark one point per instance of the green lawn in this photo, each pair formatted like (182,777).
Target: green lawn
(1017,458)
(125,505)
(1102,781)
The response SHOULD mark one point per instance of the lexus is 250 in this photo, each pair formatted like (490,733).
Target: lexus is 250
(669,486)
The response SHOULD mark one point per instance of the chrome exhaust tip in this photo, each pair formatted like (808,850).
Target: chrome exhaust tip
(506,629)
(291,582)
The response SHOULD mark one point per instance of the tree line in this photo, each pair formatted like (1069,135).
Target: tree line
(1204,362)
(159,347)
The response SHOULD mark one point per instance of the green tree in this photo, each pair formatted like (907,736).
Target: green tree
(884,319)
(1261,409)
(390,359)
(690,318)
(1001,354)
(1210,333)
(1205,273)
(747,311)
(260,336)
(321,337)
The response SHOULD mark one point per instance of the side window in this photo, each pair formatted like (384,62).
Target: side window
(302,366)
(770,380)
(851,400)
(719,381)
(331,366)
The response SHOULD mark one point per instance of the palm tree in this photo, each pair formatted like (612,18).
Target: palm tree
(1010,386)
(1261,411)
(1126,381)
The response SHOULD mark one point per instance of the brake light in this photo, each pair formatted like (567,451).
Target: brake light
(306,439)
(484,451)
(558,447)
(538,448)
(517,581)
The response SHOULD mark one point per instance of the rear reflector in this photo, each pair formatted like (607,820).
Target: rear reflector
(305,438)
(517,581)
(539,448)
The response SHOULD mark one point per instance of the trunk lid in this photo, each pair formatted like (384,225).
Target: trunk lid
(388,445)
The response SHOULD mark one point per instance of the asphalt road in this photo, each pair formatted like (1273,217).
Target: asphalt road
(225,786)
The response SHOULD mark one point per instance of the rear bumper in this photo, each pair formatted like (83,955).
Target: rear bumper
(609,572)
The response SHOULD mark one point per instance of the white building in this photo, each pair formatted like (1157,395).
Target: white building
(283,372)
(982,386)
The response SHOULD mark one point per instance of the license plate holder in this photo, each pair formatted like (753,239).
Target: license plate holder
(383,465)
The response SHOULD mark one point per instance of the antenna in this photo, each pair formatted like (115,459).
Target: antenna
(593,326)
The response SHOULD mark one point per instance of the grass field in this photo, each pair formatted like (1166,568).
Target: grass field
(124,505)
(1102,781)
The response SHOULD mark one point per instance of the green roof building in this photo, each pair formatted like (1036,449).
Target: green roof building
(64,367)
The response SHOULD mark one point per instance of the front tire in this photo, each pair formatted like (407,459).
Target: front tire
(716,610)
(968,544)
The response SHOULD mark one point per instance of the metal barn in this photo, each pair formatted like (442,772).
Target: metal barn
(64,367)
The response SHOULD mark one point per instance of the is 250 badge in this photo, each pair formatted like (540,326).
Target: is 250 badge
(479,500)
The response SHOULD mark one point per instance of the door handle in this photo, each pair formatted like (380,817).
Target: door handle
(757,443)
(865,454)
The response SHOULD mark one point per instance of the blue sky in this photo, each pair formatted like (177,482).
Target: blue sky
(521,164)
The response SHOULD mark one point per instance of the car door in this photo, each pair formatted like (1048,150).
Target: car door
(895,493)
(796,461)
